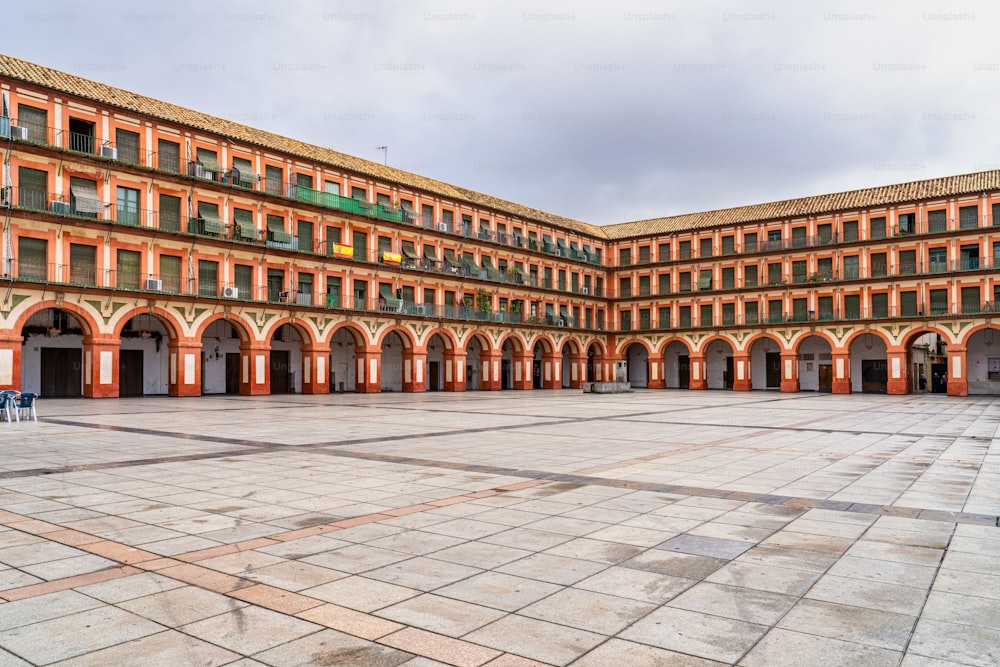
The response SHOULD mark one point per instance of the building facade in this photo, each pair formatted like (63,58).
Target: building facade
(151,249)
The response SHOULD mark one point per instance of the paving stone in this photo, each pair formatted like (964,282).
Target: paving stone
(783,648)
(249,629)
(702,635)
(712,547)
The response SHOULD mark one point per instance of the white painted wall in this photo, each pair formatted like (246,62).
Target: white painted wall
(392,363)
(156,365)
(671,371)
(638,367)
(343,368)
(816,346)
(716,364)
(978,357)
(859,352)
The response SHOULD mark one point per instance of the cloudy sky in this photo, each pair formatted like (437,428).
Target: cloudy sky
(600,111)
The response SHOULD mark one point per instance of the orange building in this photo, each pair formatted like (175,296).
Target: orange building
(151,249)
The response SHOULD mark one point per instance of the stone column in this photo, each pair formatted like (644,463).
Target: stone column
(578,371)
(315,369)
(741,369)
(184,360)
(100,366)
(255,369)
(898,380)
(841,372)
(414,371)
(790,372)
(522,369)
(958,381)
(369,371)
(10,360)
(699,372)
(454,370)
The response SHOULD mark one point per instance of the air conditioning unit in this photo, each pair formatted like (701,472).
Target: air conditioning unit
(231,292)
(287,297)
(561,322)
(19,132)
(442,226)
(154,285)
(584,290)
(109,152)
(61,207)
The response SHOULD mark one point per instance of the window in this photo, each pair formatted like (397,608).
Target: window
(663,252)
(937,221)
(427,215)
(751,312)
(728,245)
(969,257)
(774,239)
(243,174)
(728,278)
(35,120)
(334,288)
(937,260)
(876,228)
(170,273)
(684,279)
(305,181)
(624,287)
(907,262)
(684,250)
(908,304)
(850,229)
(939,301)
(305,234)
(664,283)
(774,310)
(382,199)
(127,206)
(644,254)
(127,144)
(170,213)
(851,268)
(824,267)
(273,177)
(244,280)
(128,269)
(562,280)
(209,161)
(879,265)
(625,318)
(880,305)
(750,275)
(331,187)
(32,189)
(968,217)
(750,243)
(825,304)
(244,226)
(598,286)
(799,271)
(996,215)
(664,317)
(208,278)
(824,232)
(774,276)
(799,238)
(728,314)
(852,306)
(83,199)
(907,224)
(800,309)
(82,264)
(705,247)
(684,317)
(705,280)
(360,293)
(168,155)
(971,300)
(705,315)
(276,229)
(32,258)
(624,256)
(81,136)
(304,289)
(645,322)
(275,284)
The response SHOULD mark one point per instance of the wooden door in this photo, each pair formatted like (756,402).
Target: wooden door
(728,377)
(279,372)
(773,362)
(536,373)
(825,377)
(684,371)
(62,372)
(874,376)
(506,374)
(130,371)
(232,372)
(433,375)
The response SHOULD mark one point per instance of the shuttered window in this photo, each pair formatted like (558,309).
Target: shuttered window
(244,280)
(35,120)
(128,269)
(877,228)
(170,273)
(273,177)
(939,301)
(968,217)
(170,213)
(82,264)
(32,258)
(209,159)
(83,197)
(276,229)
(243,173)
(127,206)
(880,305)
(208,278)
(32,188)
(705,315)
(127,144)
(305,236)
(210,221)
(168,155)
(907,304)
(937,221)
(244,222)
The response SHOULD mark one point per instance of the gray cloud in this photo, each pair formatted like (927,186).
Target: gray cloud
(595,111)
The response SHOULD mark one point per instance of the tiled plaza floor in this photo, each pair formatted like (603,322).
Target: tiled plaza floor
(502,529)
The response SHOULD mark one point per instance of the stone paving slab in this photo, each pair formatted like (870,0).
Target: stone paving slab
(548,528)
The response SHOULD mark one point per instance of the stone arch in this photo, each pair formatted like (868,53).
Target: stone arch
(815,361)
(764,351)
(718,352)
(307,334)
(676,355)
(143,354)
(404,334)
(869,361)
(243,328)
(982,360)
(361,340)
(636,354)
(87,320)
(164,316)
(626,344)
(54,364)
(518,343)
(569,352)
(448,337)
